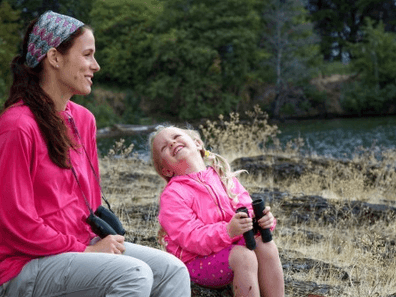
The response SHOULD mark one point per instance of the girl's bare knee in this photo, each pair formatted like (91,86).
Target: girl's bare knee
(269,248)
(244,259)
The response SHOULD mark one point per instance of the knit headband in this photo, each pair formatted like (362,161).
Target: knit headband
(50,31)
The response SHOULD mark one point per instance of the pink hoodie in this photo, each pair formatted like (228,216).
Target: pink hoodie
(194,212)
(42,210)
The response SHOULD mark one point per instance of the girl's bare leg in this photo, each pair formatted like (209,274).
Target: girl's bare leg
(244,264)
(270,273)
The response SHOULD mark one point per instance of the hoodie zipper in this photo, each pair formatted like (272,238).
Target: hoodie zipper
(212,194)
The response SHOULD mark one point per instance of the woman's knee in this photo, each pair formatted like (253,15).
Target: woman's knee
(172,264)
(174,268)
(134,273)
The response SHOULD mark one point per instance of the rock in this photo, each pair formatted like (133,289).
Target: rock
(267,165)
(198,291)
(312,207)
(291,168)
(308,288)
(305,265)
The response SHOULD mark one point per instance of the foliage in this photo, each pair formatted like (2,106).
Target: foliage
(123,32)
(336,67)
(375,62)
(236,138)
(124,35)
(132,113)
(186,60)
(9,39)
(340,22)
(203,54)
(289,36)
(182,59)
(316,97)
(104,113)
(375,56)
(31,9)
(360,98)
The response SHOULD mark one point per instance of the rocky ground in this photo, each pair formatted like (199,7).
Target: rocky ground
(304,221)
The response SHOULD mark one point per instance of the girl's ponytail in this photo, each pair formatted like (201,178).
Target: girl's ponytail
(220,165)
(223,169)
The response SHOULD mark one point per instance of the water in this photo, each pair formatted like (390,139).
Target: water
(340,138)
(337,138)
(140,143)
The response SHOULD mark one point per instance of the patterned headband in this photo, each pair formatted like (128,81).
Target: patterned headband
(50,31)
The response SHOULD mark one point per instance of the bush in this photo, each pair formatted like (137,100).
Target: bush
(104,113)
(336,67)
(9,40)
(361,98)
(3,92)
(132,113)
(315,96)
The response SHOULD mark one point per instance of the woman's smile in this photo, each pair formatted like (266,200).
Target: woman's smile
(89,78)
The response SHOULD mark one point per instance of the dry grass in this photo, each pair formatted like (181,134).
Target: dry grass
(365,251)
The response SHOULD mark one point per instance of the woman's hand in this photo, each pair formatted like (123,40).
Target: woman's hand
(239,224)
(267,220)
(112,244)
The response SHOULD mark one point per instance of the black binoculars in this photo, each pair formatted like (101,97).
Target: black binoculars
(258,208)
(104,222)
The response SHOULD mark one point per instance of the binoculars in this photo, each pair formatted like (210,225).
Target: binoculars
(104,222)
(258,207)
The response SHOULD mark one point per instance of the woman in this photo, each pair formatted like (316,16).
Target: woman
(48,173)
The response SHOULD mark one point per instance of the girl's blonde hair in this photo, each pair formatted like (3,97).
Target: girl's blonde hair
(219,163)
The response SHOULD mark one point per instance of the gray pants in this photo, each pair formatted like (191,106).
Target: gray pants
(140,272)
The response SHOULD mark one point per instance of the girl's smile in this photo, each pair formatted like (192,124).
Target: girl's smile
(177,149)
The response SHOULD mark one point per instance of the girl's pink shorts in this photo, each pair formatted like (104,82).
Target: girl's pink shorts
(213,270)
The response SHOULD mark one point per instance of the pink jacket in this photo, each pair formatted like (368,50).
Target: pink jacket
(194,212)
(42,210)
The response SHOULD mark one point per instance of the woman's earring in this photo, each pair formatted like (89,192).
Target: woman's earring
(207,153)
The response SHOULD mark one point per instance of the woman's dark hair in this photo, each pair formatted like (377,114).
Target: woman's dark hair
(26,87)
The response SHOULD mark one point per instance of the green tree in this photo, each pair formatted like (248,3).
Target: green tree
(289,37)
(204,53)
(124,36)
(375,55)
(340,22)
(9,41)
(181,58)
(31,9)
(375,63)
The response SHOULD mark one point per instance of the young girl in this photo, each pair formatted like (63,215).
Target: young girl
(197,215)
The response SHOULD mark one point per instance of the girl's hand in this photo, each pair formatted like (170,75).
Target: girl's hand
(267,220)
(239,224)
(112,244)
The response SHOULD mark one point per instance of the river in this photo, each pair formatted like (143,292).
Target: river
(336,138)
